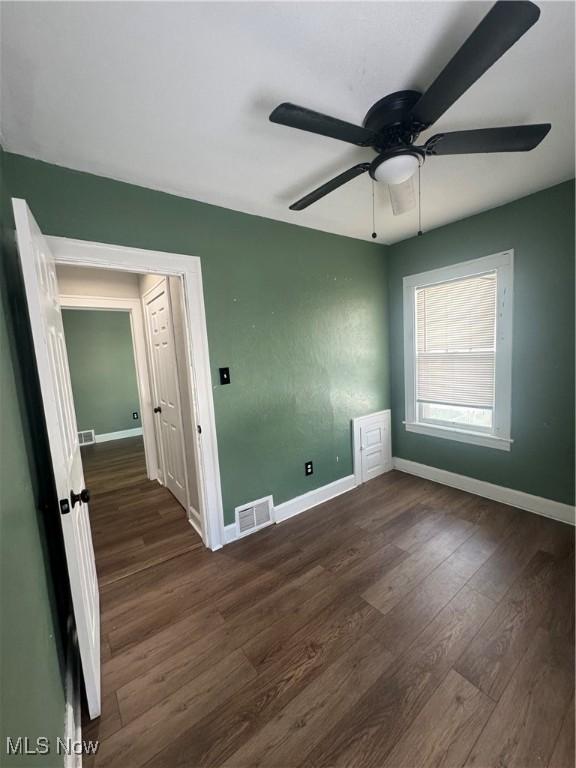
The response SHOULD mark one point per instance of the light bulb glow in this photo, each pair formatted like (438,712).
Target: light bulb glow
(397,169)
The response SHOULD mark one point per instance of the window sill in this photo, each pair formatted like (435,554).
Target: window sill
(460,435)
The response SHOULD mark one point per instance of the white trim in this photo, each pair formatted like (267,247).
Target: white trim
(458,271)
(191,517)
(357,424)
(537,504)
(84,253)
(460,435)
(311,499)
(134,308)
(230,533)
(297,505)
(106,437)
(503,264)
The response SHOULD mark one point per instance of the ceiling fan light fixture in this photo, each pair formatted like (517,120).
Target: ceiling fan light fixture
(396,169)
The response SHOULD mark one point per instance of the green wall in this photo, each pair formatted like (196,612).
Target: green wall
(299,316)
(31,690)
(540,229)
(102,369)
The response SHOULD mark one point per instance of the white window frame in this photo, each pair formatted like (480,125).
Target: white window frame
(499,437)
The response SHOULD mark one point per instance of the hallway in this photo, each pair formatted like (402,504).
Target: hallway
(135,523)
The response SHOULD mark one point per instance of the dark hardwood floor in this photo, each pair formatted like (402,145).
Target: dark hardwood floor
(136,524)
(402,625)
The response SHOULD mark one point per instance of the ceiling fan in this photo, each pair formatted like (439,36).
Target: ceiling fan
(393,124)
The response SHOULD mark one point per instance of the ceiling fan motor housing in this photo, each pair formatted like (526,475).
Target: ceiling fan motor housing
(390,119)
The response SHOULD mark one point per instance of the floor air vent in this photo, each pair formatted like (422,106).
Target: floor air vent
(86,437)
(251,517)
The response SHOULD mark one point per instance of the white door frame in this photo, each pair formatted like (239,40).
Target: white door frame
(188,268)
(134,310)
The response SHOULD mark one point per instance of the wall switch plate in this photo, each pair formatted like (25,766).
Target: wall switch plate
(224,375)
(135,415)
(308,468)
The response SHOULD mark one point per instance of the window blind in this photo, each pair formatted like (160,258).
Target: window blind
(456,342)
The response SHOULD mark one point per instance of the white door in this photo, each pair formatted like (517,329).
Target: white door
(373,436)
(38,269)
(165,387)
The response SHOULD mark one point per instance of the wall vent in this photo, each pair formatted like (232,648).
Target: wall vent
(86,437)
(254,516)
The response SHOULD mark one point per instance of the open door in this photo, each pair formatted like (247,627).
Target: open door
(38,269)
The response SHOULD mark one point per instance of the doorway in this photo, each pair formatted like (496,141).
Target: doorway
(126,345)
(98,290)
(39,258)
(129,515)
(181,276)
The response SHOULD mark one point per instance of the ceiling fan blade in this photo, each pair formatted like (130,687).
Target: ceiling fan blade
(402,196)
(330,186)
(516,138)
(314,122)
(503,25)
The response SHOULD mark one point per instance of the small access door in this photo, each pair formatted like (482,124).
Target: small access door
(165,387)
(372,449)
(38,269)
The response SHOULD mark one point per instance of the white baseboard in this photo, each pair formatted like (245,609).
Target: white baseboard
(311,499)
(537,504)
(230,533)
(105,437)
(194,520)
(300,504)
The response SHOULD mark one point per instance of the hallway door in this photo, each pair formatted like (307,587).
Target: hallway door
(39,273)
(167,406)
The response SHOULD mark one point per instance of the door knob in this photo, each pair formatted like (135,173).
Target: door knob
(157,409)
(83,496)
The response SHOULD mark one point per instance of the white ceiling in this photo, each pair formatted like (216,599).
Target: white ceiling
(176,96)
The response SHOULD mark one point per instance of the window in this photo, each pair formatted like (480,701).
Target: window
(457,351)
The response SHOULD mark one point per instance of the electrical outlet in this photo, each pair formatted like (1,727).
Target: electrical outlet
(135,415)
(308,468)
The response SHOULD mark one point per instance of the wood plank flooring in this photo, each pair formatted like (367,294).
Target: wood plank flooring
(135,524)
(402,625)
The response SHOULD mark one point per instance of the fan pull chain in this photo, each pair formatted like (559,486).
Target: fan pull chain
(374,235)
(419,202)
